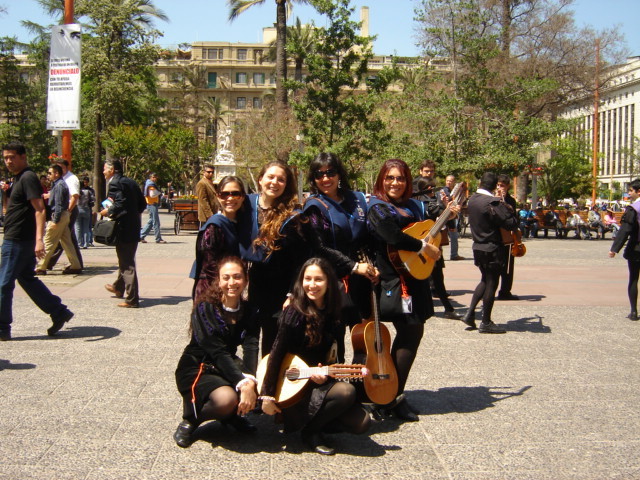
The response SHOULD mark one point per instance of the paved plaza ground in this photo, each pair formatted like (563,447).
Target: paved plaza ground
(554,398)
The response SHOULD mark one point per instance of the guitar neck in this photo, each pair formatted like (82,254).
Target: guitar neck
(441,220)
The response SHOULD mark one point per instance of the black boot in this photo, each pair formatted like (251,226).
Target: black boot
(633,315)
(184,434)
(241,424)
(316,443)
(470,320)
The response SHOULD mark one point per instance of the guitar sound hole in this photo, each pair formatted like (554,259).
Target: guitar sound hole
(292,374)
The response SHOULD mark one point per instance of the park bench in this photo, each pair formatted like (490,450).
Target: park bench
(542,226)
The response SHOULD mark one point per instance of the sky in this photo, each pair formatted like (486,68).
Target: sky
(392,21)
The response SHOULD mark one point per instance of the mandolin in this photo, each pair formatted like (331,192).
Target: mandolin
(418,264)
(295,373)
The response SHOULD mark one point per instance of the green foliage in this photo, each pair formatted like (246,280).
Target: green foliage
(568,172)
(333,116)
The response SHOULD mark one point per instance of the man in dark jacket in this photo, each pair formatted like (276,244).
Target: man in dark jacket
(125,203)
(487,214)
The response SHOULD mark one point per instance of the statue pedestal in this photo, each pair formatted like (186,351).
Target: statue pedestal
(225,164)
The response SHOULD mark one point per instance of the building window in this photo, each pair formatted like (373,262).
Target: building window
(212,80)
(212,53)
(258,78)
(241,77)
(175,77)
(241,103)
(272,79)
(257,57)
(257,102)
(176,104)
(242,54)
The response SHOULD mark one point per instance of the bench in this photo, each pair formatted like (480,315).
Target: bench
(562,215)
(584,215)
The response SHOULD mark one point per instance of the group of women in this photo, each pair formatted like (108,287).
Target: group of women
(308,278)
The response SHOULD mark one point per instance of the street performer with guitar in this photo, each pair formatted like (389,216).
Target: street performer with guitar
(404,300)
(307,328)
(487,214)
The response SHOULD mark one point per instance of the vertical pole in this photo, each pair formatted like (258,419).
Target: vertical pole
(596,125)
(66,134)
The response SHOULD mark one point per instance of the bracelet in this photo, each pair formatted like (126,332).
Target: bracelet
(242,383)
(266,397)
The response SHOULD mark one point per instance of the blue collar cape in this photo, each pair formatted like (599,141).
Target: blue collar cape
(350,216)
(412,207)
(248,230)
(230,240)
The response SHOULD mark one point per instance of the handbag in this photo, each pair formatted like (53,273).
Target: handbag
(105,232)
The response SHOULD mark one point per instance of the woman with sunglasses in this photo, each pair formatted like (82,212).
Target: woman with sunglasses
(277,240)
(339,217)
(403,300)
(218,236)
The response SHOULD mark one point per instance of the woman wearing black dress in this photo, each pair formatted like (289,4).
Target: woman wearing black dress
(214,382)
(307,328)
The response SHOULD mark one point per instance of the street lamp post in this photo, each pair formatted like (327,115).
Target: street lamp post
(66,134)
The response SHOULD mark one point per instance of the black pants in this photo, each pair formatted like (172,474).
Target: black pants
(506,277)
(491,265)
(127,281)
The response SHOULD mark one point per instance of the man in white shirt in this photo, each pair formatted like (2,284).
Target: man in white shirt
(73,183)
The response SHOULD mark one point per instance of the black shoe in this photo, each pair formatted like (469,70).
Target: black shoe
(317,443)
(403,411)
(5,335)
(452,315)
(241,424)
(59,322)
(507,296)
(470,320)
(184,434)
(633,316)
(490,327)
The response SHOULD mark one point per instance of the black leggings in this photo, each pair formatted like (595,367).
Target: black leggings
(404,349)
(339,412)
(222,405)
(634,270)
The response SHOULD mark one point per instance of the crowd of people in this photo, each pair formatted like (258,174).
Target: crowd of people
(285,280)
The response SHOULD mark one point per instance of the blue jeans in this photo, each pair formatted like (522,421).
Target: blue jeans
(19,263)
(83,227)
(154,222)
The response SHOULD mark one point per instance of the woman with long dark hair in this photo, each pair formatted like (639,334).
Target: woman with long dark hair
(218,236)
(216,384)
(404,300)
(308,328)
(338,215)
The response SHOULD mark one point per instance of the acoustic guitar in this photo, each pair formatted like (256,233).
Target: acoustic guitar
(373,337)
(295,373)
(418,264)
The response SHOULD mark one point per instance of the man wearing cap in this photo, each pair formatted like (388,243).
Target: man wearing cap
(152,196)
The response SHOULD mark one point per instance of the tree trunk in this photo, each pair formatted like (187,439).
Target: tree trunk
(505,33)
(281,54)
(98,175)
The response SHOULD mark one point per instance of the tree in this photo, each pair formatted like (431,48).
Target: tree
(236,7)
(119,83)
(334,117)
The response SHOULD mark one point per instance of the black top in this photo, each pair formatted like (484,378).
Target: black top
(487,214)
(20,219)
(628,231)
(128,204)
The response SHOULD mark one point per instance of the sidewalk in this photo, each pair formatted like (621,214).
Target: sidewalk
(554,398)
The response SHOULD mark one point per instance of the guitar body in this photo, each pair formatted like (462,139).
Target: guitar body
(294,376)
(288,392)
(357,341)
(416,264)
(381,383)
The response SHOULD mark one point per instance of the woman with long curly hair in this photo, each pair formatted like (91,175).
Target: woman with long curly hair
(308,328)
(277,240)
(216,384)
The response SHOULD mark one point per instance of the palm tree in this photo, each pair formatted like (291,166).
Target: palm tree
(283,7)
(215,113)
(300,42)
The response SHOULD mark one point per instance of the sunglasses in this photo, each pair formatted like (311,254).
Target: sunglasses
(332,172)
(391,178)
(225,195)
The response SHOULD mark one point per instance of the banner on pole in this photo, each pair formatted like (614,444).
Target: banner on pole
(63,100)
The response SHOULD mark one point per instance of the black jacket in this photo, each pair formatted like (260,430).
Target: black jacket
(487,214)
(128,205)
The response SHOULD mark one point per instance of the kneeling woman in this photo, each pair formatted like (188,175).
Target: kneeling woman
(307,328)
(215,384)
